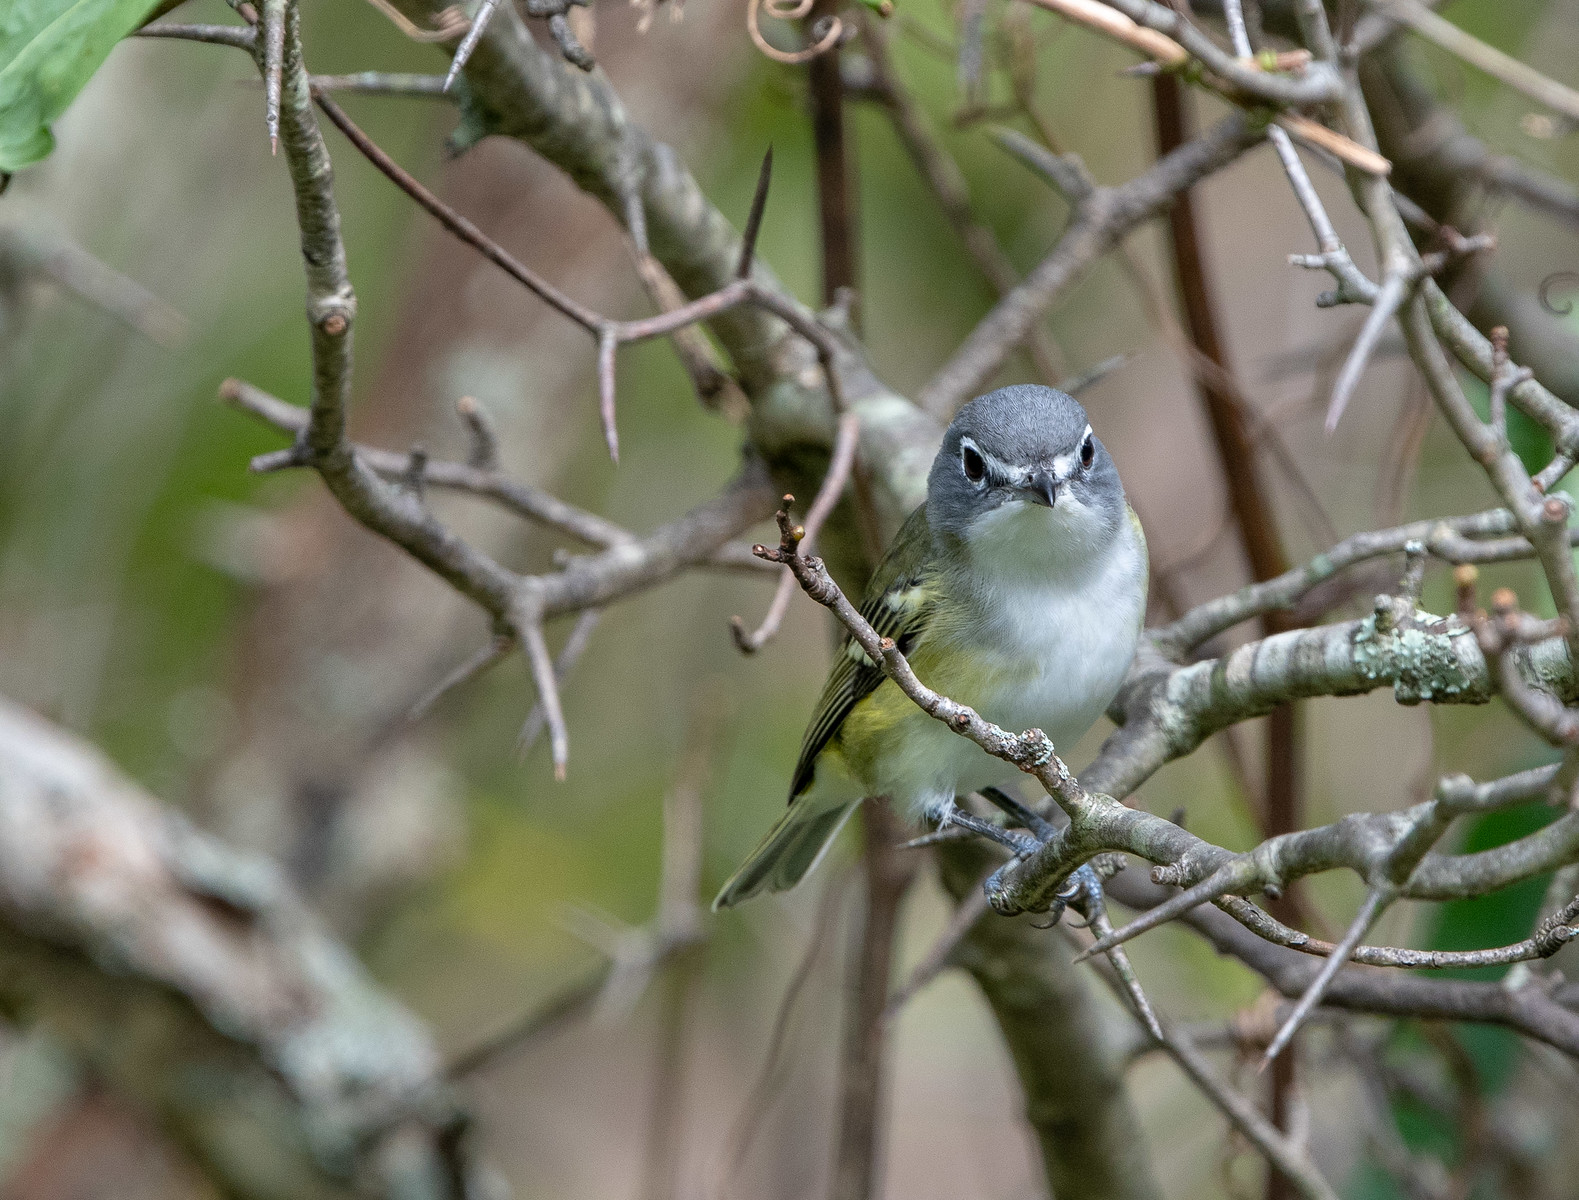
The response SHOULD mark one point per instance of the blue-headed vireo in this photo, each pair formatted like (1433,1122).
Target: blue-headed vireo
(1018,588)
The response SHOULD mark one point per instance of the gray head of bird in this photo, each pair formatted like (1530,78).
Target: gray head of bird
(1023,485)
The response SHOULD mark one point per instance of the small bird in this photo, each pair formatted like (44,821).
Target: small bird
(1018,587)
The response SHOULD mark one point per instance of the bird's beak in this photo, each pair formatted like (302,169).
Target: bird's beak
(1042,488)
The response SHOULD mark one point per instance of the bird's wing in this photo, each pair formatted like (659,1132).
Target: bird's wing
(897,604)
(1145,557)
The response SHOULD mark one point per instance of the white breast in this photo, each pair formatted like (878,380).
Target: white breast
(1047,643)
(1041,638)
(1064,639)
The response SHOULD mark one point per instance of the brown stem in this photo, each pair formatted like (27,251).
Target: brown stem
(1247,491)
(1063,1047)
(1252,509)
(889,870)
(835,186)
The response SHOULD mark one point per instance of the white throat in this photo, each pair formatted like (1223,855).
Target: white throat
(1027,543)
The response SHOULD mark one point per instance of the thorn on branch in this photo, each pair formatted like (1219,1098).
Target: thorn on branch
(414,478)
(759,204)
(484,436)
(1389,299)
(608,342)
(569,654)
(463,52)
(529,629)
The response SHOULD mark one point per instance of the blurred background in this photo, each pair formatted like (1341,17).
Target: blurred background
(243,650)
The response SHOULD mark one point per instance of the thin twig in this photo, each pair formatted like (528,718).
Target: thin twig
(840,465)
(770,1078)
(457,224)
(496,649)
(1376,900)
(1274,1145)
(938,956)
(1521,77)
(272,28)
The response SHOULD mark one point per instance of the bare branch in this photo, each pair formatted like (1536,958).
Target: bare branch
(1271,1142)
(271,25)
(253,1022)
(1169,38)
(1528,1009)
(1099,223)
(1552,936)
(457,224)
(522,499)
(1519,76)
(242,37)
(1478,538)
(382,83)
(759,206)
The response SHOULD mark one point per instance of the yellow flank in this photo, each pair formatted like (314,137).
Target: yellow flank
(879,724)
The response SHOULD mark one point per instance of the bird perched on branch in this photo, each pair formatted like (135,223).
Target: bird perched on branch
(1018,588)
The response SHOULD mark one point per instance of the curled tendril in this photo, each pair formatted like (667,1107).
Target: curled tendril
(1555,279)
(790,10)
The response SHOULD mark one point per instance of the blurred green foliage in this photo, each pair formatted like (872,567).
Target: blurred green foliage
(49,49)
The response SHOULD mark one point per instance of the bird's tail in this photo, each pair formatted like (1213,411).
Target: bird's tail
(792,848)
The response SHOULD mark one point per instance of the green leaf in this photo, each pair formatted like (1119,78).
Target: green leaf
(48,50)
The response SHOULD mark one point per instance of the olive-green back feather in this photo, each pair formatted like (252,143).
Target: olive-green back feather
(897,604)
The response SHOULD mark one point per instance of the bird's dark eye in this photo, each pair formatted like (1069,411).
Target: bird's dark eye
(1088,452)
(972,463)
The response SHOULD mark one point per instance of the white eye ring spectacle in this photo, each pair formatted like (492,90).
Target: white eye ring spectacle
(1088,452)
(972,463)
